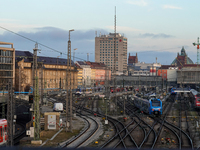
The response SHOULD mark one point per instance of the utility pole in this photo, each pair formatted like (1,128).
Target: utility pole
(36,96)
(69,90)
(10,113)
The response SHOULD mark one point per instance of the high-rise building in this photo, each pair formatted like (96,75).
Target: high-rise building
(104,51)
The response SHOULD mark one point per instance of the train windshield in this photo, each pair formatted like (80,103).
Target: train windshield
(155,103)
(198,96)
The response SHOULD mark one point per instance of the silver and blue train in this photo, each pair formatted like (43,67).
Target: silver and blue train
(151,106)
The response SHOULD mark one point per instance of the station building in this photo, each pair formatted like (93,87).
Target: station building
(50,71)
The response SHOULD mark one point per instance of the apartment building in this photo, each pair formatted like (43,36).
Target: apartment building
(104,51)
(86,73)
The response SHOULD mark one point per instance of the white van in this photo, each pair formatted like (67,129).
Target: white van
(58,107)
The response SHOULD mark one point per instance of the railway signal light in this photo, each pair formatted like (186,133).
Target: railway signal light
(30,98)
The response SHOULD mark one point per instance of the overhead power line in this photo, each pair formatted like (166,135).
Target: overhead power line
(62,53)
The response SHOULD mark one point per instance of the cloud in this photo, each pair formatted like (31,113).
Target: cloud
(54,38)
(171,7)
(155,36)
(137,2)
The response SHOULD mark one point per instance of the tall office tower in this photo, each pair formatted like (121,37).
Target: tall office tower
(104,51)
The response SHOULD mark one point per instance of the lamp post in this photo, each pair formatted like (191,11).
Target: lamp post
(68,87)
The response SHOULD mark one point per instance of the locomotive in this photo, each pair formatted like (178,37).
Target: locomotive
(3,131)
(149,106)
(195,98)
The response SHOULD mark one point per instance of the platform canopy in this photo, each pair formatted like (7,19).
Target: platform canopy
(182,90)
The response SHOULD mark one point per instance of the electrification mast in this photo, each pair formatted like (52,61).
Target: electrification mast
(36,96)
(10,113)
(69,88)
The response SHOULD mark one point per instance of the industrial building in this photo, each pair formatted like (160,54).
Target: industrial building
(189,76)
(104,51)
(143,69)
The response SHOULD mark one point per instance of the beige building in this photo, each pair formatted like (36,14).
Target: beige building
(7,64)
(51,72)
(104,51)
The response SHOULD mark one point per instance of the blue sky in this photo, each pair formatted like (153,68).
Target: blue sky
(154,28)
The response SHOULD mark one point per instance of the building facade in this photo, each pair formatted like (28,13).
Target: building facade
(86,73)
(132,60)
(7,64)
(182,59)
(79,76)
(143,69)
(104,51)
(51,72)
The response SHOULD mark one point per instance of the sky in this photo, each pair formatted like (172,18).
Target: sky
(154,28)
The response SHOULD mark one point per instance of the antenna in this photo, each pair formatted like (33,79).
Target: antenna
(114,70)
(96,33)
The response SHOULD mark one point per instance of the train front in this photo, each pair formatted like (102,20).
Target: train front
(156,106)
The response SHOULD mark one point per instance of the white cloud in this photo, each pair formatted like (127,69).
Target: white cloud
(137,2)
(171,7)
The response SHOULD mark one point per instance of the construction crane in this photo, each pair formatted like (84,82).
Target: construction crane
(197,50)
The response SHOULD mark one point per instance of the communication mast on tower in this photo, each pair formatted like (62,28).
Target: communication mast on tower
(114,70)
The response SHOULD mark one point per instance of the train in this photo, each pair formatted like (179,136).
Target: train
(3,131)
(195,98)
(173,92)
(151,106)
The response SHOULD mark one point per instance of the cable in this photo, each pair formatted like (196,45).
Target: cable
(61,53)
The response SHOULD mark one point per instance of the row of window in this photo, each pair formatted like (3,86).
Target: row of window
(107,44)
(6,73)
(109,50)
(6,67)
(108,41)
(6,53)
(6,60)
(108,55)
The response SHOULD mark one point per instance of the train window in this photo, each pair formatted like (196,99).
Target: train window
(155,103)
